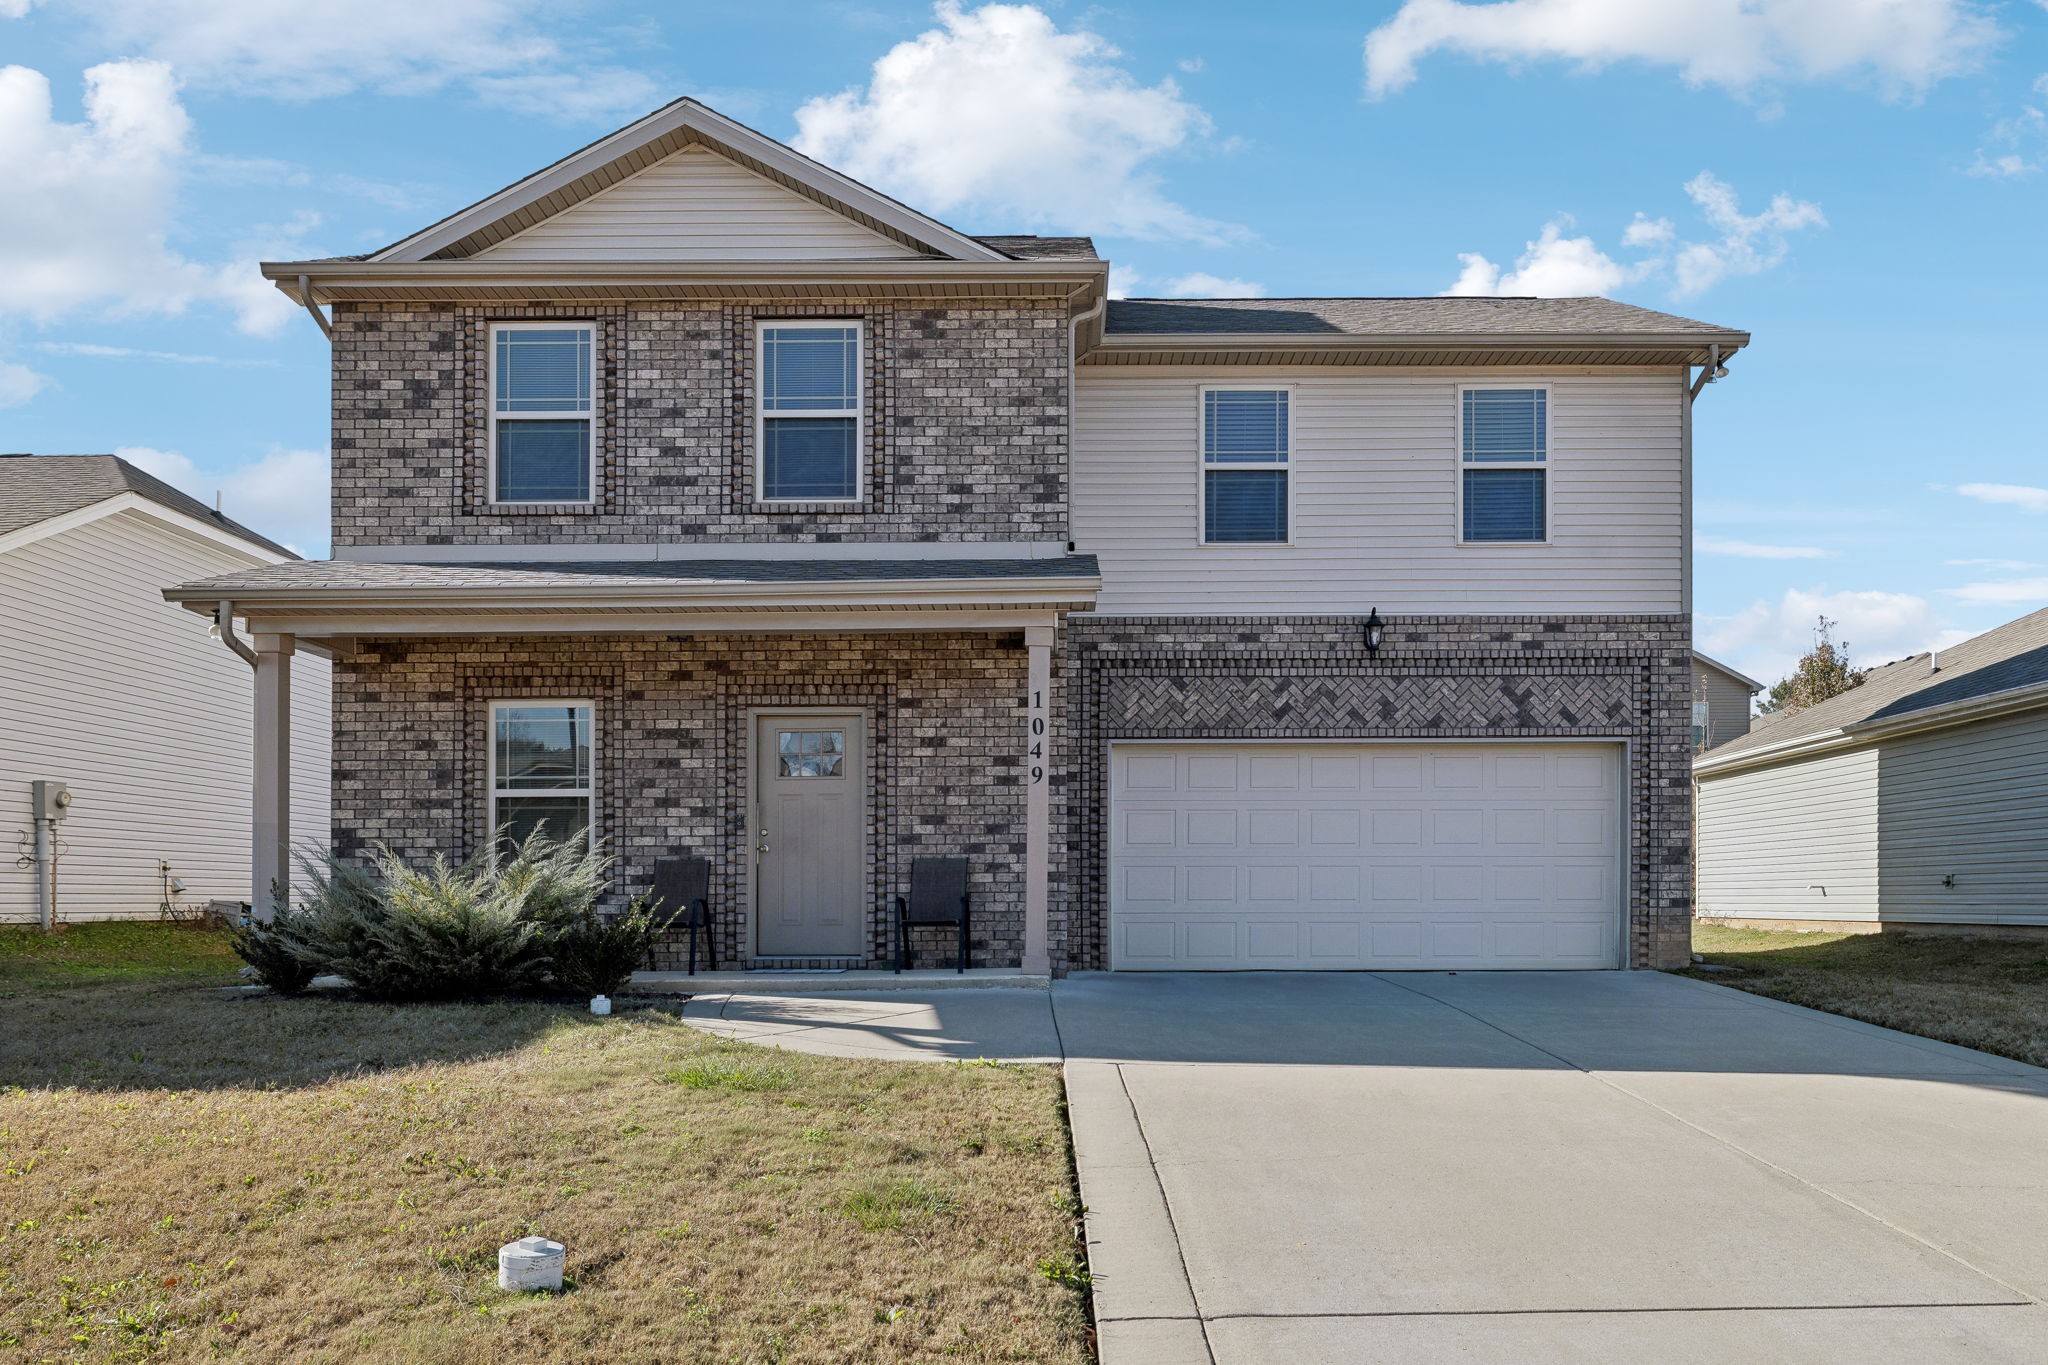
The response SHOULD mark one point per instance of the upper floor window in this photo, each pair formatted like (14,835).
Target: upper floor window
(541,411)
(809,409)
(1503,465)
(1247,451)
(541,771)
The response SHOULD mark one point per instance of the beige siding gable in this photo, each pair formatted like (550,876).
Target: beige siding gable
(697,206)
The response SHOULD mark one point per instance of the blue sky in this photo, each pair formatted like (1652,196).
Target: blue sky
(1860,183)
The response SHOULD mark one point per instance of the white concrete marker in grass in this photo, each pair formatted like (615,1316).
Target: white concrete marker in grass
(600,1004)
(531,1265)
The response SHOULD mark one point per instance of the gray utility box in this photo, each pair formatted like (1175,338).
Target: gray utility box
(52,800)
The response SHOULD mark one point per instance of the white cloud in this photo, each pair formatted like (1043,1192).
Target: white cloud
(2009,565)
(18,384)
(1123,281)
(1905,46)
(311,49)
(93,350)
(2003,590)
(1766,639)
(2026,497)
(1201,284)
(2015,146)
(87,213)
(1557,266)
(1745,549)
(997,111)
(283,495)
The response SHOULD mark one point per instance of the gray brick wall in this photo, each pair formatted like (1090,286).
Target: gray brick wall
(966,436)
(947,734)
(1621,677)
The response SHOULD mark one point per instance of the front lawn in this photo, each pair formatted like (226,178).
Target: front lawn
(187,1174)
(1985,993)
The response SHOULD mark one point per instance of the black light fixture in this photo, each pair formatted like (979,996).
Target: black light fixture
(1375,631)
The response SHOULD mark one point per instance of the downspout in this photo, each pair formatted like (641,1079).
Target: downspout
(1713,369)
(1074,326)
(306,297)
(223,630)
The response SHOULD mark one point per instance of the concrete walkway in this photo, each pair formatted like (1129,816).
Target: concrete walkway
(1510,1167)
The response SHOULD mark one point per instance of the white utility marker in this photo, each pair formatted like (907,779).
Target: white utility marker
(531,1264)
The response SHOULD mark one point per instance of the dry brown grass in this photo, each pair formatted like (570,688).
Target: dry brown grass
(185,1175)
(1985,993)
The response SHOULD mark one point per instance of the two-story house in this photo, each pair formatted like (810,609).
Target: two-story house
(692,494)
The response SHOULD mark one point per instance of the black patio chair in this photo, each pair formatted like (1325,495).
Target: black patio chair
(682,886)
(938,895)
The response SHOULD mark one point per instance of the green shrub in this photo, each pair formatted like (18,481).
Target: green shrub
(446,931)
(271,952)
(598,954)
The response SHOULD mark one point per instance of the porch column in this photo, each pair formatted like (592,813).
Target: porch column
(1038,797)
(270,824)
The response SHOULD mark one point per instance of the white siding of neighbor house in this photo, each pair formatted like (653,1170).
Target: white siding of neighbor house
(109,688)
(696,206)
(1769,838)
(1971,802)
(1727,704)
(1375,521)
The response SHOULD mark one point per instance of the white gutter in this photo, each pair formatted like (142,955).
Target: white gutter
(458,274)
(1856,733)
(1726,343)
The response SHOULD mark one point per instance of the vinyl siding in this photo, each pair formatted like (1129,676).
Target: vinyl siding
(1375,498)
(1727,704)
(106,686)
(1972,802)
(1770,837)
(696,206)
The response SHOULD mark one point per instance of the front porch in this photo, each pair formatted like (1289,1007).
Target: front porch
(809,749)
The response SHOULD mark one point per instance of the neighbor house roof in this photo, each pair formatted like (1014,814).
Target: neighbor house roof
(35,488)
(1043,248)
(1741,679)
(2000,669)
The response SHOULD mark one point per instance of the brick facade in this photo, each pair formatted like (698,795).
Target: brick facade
(946,738)
(965,404)
(1620,677)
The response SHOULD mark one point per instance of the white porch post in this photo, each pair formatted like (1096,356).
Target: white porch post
(270,825)
(1038,798)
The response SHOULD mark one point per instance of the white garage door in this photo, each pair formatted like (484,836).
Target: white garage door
(1304,856)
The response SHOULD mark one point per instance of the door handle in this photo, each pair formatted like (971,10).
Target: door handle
(763,847)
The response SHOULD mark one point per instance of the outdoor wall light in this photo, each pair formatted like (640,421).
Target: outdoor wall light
(1375,632)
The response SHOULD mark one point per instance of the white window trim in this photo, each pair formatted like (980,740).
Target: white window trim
(491,793)
(1547,464)
(494,416)
(858,412)
(1202,466)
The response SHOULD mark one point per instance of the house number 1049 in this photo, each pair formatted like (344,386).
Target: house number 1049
(1037,751)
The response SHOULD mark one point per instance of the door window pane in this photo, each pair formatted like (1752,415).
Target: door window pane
(810,753)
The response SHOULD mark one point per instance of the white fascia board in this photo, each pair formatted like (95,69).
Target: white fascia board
(681,596)
(156,511)
(687,114)
(670,551)
(347,626)
(1074,277)
(1411,341)
(1857,733)
(1751,683)
(1708,765)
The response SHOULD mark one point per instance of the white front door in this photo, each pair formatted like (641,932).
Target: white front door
(1365,856)
(808,833)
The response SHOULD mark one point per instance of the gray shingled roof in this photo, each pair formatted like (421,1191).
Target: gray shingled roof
(345,575)
(1026,248)
(2013,655)
(34,488)
(1395,317)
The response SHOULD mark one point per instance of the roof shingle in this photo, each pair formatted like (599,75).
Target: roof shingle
(1396,317)
(34,488)
(346,575)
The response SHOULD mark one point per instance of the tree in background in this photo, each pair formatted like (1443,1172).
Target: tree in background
(1823,672)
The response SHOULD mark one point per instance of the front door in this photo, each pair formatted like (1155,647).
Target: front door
(810,826)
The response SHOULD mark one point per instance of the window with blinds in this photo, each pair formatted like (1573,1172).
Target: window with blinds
(1504,465)
(1247,459)
(541,411)
(809,412)
(541,770)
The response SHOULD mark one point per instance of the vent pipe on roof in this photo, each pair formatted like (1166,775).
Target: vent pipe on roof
(1934,661)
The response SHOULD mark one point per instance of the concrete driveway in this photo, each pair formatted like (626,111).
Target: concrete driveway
(1514,1167)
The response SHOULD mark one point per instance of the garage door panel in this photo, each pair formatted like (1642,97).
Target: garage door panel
(1347,856)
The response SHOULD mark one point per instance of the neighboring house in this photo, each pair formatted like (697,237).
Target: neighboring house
(105,687)
(691,492)
(1720,702)
(1920,797)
